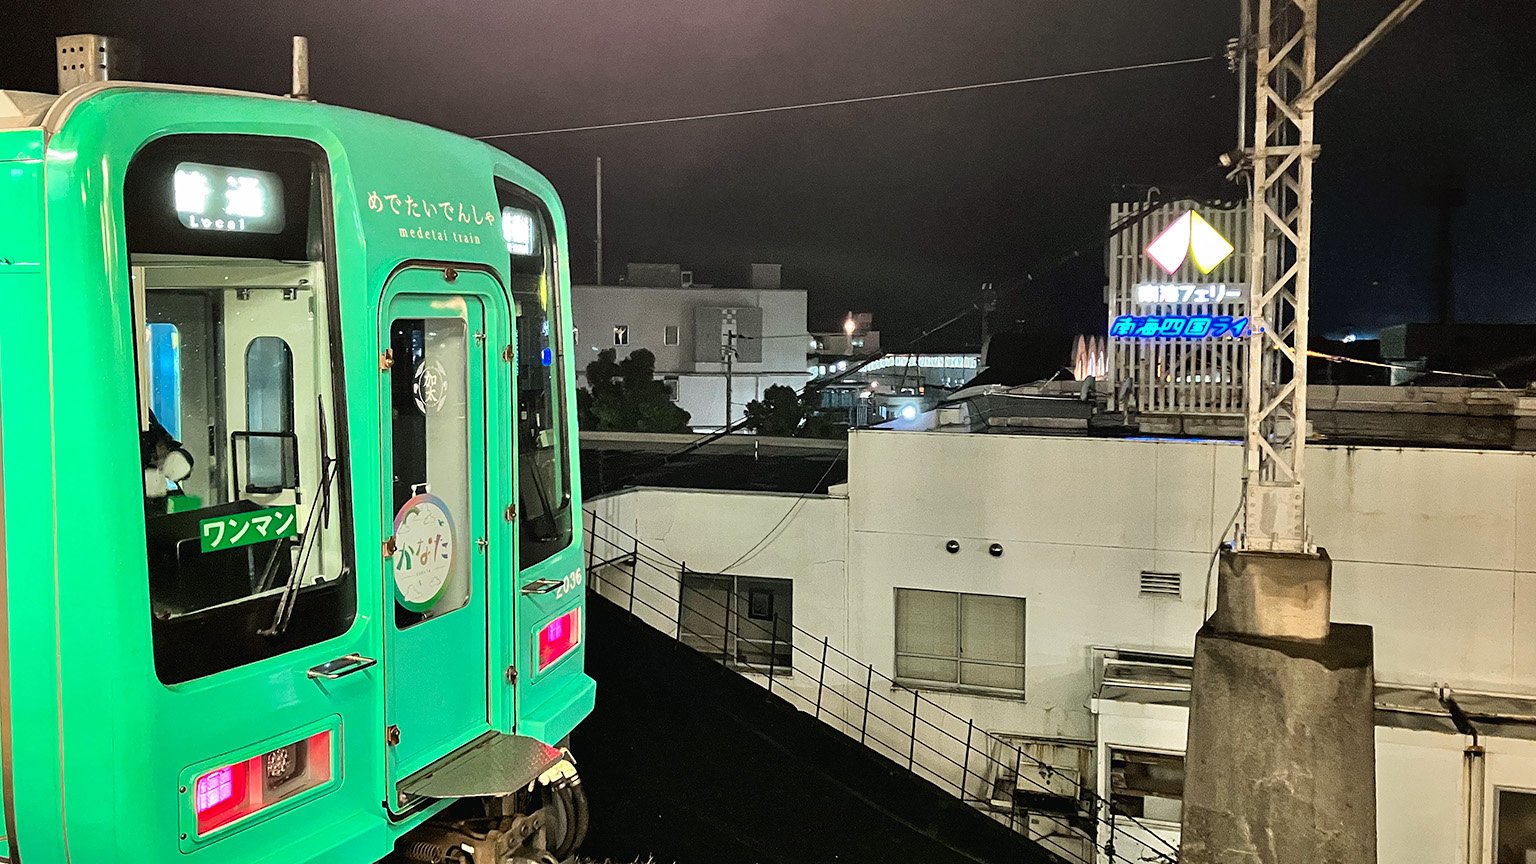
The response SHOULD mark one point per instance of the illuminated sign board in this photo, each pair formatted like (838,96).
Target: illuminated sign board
(1189,238)
(1178,327)
(1154,292)
(517,228)
(221,198)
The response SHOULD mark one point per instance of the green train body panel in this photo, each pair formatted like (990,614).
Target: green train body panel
(99,753)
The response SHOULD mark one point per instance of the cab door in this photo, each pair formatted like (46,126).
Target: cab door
(433,399)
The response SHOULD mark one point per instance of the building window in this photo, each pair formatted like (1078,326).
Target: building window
(1515,827)
(1147,785)
(670,382)
(621,334)
(672,336)
(960,640)
(746,620)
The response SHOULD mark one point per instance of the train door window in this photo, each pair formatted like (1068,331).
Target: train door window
(621,334)
(672,335)
(429,396)
(543,446)
(245,508)
(269,411)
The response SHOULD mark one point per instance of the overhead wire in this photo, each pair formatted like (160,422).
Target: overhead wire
(855,100)
(767,539)
(1338,358)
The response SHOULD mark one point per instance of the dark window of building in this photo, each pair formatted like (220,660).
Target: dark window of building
(1515,828)
(1147,785)
(746,620)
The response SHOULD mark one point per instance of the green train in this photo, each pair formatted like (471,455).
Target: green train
(292,565)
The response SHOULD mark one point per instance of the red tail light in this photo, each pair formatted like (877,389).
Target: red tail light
(558,638)
(232,792)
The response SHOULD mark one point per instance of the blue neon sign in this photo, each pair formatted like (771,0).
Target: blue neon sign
(1178,327)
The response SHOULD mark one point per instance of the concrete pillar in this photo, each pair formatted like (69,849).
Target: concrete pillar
(1280,766)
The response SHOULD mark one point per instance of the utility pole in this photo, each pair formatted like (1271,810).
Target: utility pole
(729,352)
(1278,690)
(988,306)
(1446,199)
(599,220)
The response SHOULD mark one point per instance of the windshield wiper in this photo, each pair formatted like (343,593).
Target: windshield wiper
(321,505)
(548,517)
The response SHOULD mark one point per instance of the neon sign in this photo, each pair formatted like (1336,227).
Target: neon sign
(1178,327)
(1153,292)
(1189,237)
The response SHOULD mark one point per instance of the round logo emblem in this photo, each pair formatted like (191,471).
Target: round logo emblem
(424,551)
(431,387)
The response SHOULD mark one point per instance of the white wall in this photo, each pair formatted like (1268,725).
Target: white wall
(701,386)
(1078,520)
(800,538)
(595,310)
(703,396)
(1423,541)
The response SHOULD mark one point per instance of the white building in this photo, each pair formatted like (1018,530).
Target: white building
(1073,634)
(689,328)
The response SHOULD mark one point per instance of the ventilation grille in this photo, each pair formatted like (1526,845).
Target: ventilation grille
(1155,584)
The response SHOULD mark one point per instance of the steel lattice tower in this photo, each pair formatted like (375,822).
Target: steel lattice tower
(1284,44)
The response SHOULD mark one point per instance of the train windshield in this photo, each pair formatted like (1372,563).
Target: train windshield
(544,483)
(237,425)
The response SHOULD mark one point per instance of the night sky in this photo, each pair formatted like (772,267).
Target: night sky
(905,207)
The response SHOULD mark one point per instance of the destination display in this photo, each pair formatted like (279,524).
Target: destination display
(223,198)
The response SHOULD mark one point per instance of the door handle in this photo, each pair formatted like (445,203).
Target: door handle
(541,586)
(341,667)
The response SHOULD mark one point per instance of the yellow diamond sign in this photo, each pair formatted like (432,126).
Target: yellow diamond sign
(1189,237)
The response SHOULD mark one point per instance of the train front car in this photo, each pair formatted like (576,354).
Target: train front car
(291,529)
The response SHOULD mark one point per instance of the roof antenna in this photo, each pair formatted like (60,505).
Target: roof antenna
(300,68)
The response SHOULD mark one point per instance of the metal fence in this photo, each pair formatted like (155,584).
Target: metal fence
(998,777)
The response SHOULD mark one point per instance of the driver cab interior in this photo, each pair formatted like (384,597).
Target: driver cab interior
(227,257)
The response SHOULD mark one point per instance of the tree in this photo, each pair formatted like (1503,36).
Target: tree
(783,413)
(779,413)
(624,396)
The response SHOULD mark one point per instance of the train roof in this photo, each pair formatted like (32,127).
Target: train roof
(20,109)
(48,112)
